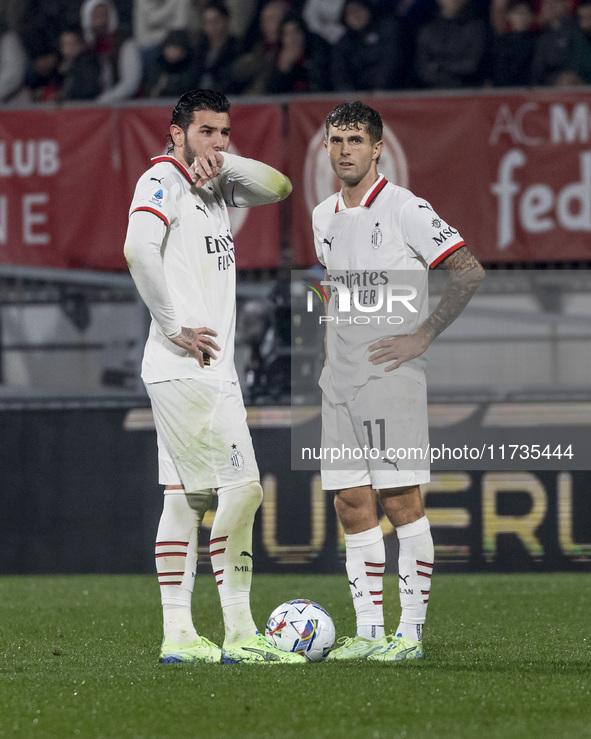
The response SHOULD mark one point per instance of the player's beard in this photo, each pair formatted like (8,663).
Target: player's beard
(189,154)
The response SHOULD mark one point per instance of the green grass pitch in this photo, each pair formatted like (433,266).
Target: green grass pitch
(507,656)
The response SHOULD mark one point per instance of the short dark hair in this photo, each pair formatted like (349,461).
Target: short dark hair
(356,115)
(189,102)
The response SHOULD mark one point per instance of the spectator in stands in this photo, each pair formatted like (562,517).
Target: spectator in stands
(153,19)
(46,19)
(42,79)
(13,62)
(252,70)
(174,71)
(581,63)
(300,65)
(451,50)
(555,46)
(513,50)
(217,49)
(79,69)
(119,56)
(323,17)
(373,52)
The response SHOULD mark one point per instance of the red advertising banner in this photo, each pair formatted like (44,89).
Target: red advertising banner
(512,172)
(67,178)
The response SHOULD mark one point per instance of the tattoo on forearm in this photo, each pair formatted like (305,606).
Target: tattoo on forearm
(465,276)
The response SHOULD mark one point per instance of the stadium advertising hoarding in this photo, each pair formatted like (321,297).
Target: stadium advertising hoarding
(67,178)
(512,172)
(84,518)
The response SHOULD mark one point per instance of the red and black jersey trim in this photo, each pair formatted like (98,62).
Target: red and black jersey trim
(446,253)
(154,211)
(372,196)
(177,164)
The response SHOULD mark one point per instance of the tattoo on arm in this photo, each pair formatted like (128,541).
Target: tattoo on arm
(466,274)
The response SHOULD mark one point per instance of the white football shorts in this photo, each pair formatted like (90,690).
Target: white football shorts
(203,439)
(379,438)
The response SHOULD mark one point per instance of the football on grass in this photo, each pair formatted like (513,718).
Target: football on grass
(303,627)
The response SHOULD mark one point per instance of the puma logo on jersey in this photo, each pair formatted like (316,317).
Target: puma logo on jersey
(155,179)
(404,579)
(427,206)
(326,241)
(352,584)
(200,207)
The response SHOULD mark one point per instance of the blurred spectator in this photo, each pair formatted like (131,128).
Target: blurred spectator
(217,50)
(46,19)
(300,65)
(174,71)
(79,69)
(513,51)
(372,54)
(323,17)
(242,13)
(555,46)
(153,19)
(581,64)
(42,78)
(13,63)
(120,59)
(451,49)
(252,70)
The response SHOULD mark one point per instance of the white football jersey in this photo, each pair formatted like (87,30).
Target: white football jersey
(382,247)
(199,268)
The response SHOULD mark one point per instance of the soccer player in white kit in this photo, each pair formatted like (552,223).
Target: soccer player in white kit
(373,384)
(180,252)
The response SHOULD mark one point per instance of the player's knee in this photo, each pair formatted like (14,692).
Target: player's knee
(200,501)
(248,496)
(177,500)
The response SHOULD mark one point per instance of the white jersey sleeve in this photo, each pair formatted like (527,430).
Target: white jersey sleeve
(155,195)
(426,234)
(246,182)
(143,252)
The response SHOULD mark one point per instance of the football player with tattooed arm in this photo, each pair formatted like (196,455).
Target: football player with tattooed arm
(180,252)
(374,236)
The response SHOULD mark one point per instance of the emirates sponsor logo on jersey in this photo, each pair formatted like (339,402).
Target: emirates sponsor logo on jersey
(321,182)
(223,247)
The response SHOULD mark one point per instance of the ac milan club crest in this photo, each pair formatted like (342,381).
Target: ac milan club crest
(237,458)
(376,237)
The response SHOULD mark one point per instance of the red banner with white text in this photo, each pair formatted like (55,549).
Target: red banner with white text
(511,172)
(67,178)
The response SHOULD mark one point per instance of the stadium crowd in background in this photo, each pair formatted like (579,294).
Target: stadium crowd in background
(52,49)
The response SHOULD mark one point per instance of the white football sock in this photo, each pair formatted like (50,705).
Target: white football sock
(415,567)
(365,563)
(176,560)
(230,549)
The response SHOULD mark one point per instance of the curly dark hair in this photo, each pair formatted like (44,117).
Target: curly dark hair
(356,115)
(189,102)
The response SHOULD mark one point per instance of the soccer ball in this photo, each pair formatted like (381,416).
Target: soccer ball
(303,627)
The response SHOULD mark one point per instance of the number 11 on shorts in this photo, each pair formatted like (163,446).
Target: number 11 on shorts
(381,424)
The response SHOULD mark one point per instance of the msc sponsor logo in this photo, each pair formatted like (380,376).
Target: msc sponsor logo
(444,235)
